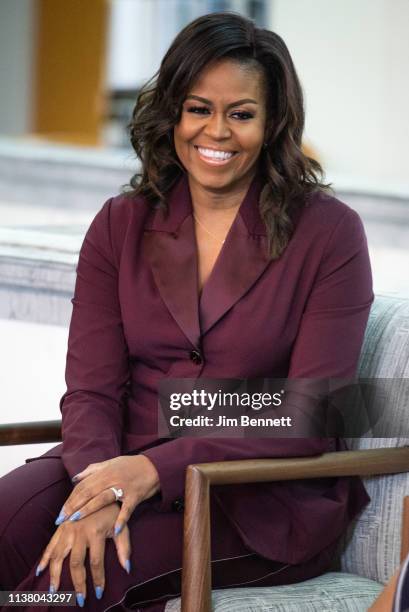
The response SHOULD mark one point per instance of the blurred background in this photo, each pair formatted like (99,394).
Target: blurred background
(70,71)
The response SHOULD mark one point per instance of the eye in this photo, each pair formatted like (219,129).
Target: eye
(201,110)
(243,115)
(198,110)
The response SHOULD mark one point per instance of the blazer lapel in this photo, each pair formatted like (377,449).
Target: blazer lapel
(240,263)
(170,246)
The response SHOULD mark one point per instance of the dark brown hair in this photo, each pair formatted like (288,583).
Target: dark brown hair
(289,175)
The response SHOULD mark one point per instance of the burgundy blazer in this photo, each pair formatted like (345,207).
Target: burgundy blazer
(137,318)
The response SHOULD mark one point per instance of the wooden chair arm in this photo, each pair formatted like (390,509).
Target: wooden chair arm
(30,432)
(196,572)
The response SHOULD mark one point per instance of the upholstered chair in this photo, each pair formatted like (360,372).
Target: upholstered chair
(378,539)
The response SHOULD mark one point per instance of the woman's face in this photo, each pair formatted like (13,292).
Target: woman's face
(221,131)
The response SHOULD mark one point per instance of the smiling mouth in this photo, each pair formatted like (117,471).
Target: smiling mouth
(215,157)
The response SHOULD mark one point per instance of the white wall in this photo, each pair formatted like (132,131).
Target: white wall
(17,39)
(140,32)
(352,58)
(129,43)
(32,363)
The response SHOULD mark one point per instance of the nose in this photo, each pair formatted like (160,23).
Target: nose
(216,126)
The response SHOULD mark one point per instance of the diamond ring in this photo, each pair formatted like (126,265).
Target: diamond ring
(118,493)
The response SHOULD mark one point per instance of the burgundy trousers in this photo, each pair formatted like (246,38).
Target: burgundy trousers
(31,498)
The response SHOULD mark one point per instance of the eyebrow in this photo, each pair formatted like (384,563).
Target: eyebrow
(237,103)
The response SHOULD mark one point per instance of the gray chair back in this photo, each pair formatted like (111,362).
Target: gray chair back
(373,549)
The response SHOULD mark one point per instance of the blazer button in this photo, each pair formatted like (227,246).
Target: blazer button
(196,357)
(178,505)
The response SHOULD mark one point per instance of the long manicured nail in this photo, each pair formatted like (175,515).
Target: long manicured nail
(118,529)
(80,600)
(75,478)
(61,517)
(128,566)
(98,591)
(39,570)
(76,516)
(51,589)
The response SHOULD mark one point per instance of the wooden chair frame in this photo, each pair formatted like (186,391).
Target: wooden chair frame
(196,571)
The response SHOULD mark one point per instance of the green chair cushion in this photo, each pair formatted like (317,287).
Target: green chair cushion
(331,592)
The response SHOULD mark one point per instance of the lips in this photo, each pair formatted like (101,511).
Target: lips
(215,157)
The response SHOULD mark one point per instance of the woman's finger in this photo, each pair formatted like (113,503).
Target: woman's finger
(77,569)
(128,506)
(44,561)
(46,556)
(91,469)
(99,501)
(80,496)
(96,562)
(57,549)
(55,573)
(123,549)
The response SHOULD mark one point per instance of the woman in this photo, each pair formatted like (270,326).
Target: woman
(226,259)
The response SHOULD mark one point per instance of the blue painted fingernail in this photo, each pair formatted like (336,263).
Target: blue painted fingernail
(61,517)
(51,589)
(39,570)
(98,591)
(80,600)
(118,529)
(76,516)
(128,566)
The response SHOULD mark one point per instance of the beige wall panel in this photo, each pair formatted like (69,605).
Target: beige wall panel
(69,97)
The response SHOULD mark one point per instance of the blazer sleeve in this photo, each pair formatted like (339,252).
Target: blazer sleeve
(328,344)
(97,359)
(332,328)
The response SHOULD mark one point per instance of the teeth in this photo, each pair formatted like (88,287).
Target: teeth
(215,154)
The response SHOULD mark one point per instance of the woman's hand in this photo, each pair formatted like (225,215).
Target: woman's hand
(134,474)
(74,538)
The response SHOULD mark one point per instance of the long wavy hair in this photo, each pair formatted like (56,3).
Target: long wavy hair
(289,175)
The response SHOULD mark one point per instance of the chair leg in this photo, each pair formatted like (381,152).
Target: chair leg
(404,550)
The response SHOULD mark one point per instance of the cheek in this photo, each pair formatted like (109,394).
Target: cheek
(253,139)
(180,144)
(184,132)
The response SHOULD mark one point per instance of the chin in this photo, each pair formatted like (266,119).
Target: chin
(209,181)
(216,184)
